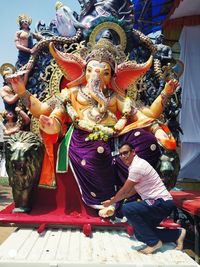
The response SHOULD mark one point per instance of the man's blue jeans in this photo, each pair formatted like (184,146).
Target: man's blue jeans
(146,215)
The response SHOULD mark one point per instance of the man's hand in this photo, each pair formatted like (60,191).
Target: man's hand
(49,125)
(107,203)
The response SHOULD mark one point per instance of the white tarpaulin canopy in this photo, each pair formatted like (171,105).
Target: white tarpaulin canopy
(190,112)
(190,82)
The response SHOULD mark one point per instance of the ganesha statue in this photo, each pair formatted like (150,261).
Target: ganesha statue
(102,114)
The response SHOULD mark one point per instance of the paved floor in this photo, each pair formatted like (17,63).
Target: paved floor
(67,247)
(5,199)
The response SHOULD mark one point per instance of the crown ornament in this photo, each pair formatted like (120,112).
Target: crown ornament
(24,17)
(7,69)
(104,51)
(58,5)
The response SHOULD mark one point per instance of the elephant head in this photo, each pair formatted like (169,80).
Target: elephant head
(98,76)
(97,69)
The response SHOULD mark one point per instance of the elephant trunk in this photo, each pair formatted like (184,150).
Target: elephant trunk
(96,92)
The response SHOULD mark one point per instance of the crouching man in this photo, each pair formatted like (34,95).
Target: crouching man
(156,204)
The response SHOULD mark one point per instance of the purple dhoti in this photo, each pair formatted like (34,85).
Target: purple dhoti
(92,162)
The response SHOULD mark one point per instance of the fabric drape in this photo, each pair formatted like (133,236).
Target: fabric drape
(190,112)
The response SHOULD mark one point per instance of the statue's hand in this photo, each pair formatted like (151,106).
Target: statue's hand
(49,125)
(120,124)
(107,212)
(17,82)
(34,50)
(171,86)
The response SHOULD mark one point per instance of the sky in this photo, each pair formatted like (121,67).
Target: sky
(10,10)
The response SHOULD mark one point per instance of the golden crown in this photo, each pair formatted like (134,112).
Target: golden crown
(104,51)
(6,69)
(58,5)
(24,17)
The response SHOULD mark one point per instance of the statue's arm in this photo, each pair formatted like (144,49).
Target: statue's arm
(35,106)
(157,107)
(124,105)
(59,111)
(3,127)
(12,130)
(7,96)
(23,115)
(70,99)
(37,36)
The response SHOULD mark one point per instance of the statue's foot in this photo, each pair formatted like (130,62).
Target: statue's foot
(21,210)
(165,138)
(107,212)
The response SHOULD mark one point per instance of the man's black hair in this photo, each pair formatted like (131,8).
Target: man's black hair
(126,143)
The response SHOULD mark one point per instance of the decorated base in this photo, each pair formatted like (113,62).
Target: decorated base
(62,206)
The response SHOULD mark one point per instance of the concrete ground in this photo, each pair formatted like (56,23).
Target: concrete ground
(5,199)
(5,231)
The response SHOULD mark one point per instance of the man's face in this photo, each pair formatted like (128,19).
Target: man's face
(126,154)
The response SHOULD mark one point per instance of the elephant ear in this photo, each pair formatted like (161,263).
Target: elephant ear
(72,66)
(127,73)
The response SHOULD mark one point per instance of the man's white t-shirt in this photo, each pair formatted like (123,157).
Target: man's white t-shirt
(148,183)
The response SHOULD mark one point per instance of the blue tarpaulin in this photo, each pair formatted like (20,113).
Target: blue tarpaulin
(150,14)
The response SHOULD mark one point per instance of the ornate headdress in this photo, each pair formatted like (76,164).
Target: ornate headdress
(24,17)
(6,69)
(104,51)
(58,5)
(126,71)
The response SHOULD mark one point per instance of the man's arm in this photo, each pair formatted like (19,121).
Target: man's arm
(127,190)
(23,115)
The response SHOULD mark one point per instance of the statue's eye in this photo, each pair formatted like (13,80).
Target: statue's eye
(106,73)
(89,70)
